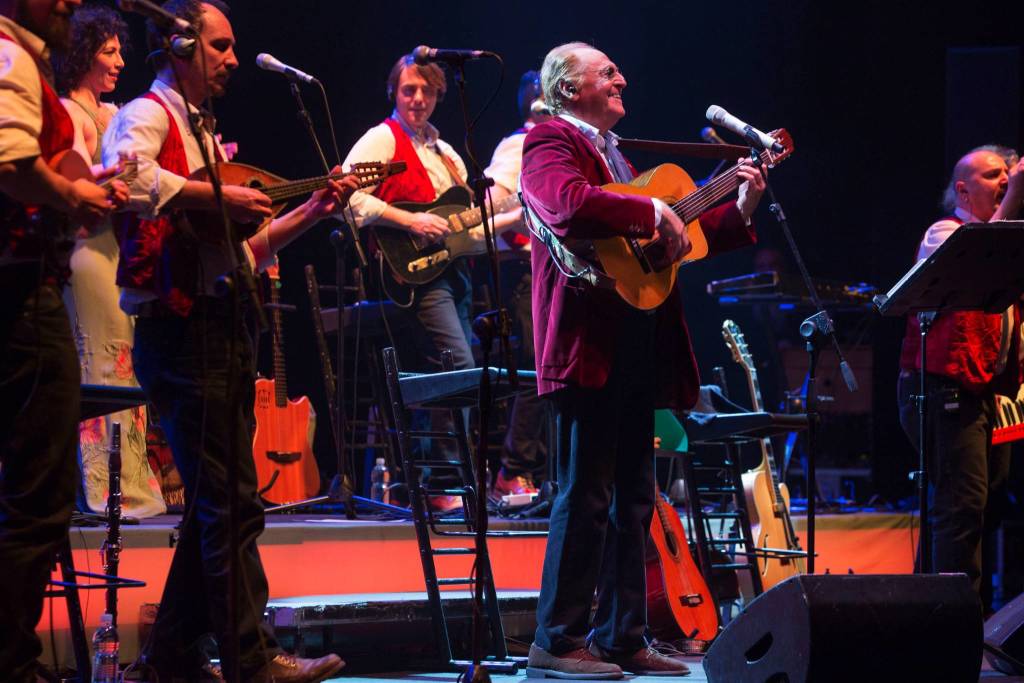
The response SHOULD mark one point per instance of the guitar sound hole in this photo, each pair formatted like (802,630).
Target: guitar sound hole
(255,184)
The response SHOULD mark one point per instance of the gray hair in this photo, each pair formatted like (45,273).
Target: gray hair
(561,66)
(1008,154)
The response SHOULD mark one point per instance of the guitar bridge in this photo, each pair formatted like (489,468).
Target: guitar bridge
(284,457)
(640,254)
(425,262)
(691,600)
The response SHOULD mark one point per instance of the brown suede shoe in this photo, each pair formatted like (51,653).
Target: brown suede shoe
(644,662)
(286,668)
(577,664)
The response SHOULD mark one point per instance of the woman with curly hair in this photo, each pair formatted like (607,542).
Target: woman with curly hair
(104,333)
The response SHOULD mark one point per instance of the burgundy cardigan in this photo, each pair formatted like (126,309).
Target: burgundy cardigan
(574,322)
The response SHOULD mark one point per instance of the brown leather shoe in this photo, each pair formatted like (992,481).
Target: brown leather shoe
(644,662)
(578,664)
(286,668)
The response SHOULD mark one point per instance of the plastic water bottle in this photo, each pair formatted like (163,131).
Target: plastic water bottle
(105,645)
(380,482)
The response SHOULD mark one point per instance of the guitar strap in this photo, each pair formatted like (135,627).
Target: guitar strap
(571,265)
(452,171)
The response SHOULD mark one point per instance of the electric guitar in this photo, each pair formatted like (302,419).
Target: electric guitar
(416,260)
(679,603)
(209,226)
(643,275)
(282,446)
(767,499)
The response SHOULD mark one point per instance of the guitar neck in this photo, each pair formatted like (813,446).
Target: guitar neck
(296,188)
(690,207)
(277,343)
(472,217)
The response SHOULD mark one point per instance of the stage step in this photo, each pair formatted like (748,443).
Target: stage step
(376,632)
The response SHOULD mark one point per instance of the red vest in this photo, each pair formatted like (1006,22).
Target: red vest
(964,346)
(157,255)
(56,135)
(412,186)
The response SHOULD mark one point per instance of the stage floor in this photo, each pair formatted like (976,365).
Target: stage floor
(307,554)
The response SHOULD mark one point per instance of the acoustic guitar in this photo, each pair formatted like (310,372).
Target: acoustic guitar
(643,275)
(679,603)
(767,499)
(209,226)
(416,260)
(282,446)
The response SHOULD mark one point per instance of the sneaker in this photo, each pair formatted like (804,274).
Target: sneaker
(508,486)
(644,662)
(579,664)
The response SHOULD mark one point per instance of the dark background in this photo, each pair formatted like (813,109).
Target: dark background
(862,88)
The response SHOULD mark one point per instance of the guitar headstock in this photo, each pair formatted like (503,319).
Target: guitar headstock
(373,172)
(737,344)
(783,137)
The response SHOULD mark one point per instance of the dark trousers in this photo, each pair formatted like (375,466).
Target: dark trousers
(601,517)
(967,475)
(525,450)
(184,365)
(39,408)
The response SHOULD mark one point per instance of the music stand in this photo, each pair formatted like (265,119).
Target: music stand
(976,269)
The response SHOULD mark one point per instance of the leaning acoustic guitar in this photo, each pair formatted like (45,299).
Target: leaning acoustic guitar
(679,603)
(643,277)
(416,260)
(767,499)
(209,226)
(282,446)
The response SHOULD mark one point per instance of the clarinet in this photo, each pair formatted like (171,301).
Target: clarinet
(111,550)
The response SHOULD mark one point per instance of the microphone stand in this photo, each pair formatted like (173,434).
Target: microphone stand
(818,330)
(341,487)
(480,183)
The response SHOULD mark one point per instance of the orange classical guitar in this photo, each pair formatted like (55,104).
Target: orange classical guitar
(679,603)
(282,446)
(643,276)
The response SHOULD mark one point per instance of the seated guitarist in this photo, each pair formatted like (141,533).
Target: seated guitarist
(605,366)
(192,352)
(440,308)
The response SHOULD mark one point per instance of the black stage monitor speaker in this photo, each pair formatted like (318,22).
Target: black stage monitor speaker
(834,628)
(1004,638)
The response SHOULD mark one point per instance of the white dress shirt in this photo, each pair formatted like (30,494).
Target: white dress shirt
(139,129)
(506,164)
(378,144)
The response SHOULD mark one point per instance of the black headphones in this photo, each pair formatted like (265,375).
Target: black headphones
(568,88)
(183,46)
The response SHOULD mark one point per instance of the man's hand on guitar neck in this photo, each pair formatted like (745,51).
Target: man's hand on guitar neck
(91,203)
(752,186)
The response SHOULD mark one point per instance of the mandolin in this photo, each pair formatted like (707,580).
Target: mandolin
(416,260)
(643,276)
(282,446)
(767,499)
(209,226)
(679,603)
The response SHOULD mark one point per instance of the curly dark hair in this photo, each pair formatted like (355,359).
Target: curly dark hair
(91,26)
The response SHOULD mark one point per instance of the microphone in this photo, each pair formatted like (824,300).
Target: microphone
(268,62)
(759,139)
(423,55)
(538,108)
(708,134)
(157,14)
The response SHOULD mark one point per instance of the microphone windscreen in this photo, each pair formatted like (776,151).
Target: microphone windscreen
(421,55)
